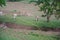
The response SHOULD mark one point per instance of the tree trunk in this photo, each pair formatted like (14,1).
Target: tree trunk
(48,18)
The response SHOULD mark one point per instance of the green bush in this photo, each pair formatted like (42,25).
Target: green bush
(51,24)
(14,0)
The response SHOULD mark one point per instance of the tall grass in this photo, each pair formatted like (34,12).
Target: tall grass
(30,21)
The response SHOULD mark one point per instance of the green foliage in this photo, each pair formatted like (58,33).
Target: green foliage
(15,0)
(48,7)
(51,24)
(2,3)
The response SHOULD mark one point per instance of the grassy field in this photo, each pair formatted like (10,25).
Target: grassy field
(17,34)
(30,21)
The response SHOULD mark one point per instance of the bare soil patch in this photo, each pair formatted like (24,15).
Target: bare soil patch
(17,26)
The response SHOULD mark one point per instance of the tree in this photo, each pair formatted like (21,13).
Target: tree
(57,13)
(49,7)
(14,0)
(2,3)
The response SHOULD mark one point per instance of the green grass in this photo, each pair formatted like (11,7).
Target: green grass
(19,20)
(10,34)
(51,24)
(30,21)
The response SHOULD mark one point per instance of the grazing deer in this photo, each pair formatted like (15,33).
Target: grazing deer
(29,14)
(14,16)
(1,13)
(37,18)
(25,13)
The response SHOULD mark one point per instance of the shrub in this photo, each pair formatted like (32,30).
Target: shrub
(43,25)
(14,0)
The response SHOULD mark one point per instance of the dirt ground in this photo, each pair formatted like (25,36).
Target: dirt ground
(23,8)
(25,27)
(25,31)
